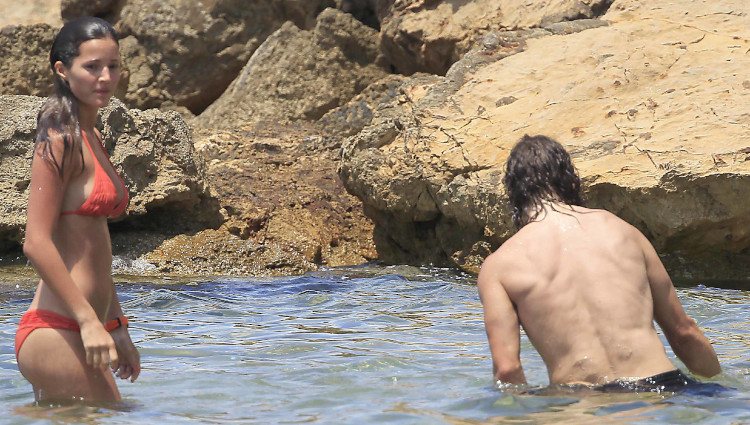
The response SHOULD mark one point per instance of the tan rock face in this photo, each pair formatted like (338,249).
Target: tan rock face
(28,12)
(24,66)
(429,36)
(653,108)
(17,131)
(152,150)
(300,75)
(187,52)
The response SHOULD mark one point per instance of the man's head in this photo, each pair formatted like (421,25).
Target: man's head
(539,169)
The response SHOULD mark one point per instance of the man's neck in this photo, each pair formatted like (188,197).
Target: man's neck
(546,207)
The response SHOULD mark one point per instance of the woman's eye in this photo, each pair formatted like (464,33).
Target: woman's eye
(114,66)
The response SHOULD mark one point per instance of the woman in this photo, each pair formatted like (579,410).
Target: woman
(74,328)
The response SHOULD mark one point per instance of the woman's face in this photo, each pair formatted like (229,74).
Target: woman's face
(94,73)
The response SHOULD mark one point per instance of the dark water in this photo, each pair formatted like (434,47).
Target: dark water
(359,346)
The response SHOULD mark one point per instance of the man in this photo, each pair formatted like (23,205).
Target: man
(585,286)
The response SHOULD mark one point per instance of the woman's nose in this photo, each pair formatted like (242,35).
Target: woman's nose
(105,75)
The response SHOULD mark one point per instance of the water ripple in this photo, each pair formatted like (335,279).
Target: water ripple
(393,345)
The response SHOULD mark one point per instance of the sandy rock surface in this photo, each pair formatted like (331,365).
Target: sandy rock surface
(28,12)
(654,109)
(24,67)
(429,36)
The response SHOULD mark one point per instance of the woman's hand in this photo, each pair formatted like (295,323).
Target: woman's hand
(98,344)
(129,365)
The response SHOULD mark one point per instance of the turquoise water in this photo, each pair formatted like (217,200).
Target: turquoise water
(353,346)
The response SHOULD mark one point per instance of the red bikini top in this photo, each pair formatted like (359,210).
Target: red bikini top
(102,201)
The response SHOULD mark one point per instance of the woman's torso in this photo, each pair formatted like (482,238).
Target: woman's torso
(83,241)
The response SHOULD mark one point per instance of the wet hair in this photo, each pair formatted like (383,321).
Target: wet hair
(60,111)
(538,170)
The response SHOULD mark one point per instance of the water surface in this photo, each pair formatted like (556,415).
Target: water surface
(361,346)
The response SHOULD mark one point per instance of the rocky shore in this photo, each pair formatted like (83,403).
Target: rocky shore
(277,137)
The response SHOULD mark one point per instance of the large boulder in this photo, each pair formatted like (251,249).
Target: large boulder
(300,75)
(152,150)
(653,108)
(167,179)
(287,211)
(187,52)
(429,36)
(24,66)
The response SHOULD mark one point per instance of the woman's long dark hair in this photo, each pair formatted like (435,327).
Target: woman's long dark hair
(60,112)
(539,169)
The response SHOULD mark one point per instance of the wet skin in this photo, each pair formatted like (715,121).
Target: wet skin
(586,287)
(73,253)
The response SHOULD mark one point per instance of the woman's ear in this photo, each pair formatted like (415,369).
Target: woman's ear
(61,70)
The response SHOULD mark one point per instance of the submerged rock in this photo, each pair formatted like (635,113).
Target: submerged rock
(653,108)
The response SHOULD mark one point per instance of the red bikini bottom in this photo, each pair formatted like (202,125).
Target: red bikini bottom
(39,319)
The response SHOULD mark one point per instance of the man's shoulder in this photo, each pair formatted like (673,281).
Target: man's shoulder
(606,217)
(510,252)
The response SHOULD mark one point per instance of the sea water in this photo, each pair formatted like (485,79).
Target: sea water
(367,345)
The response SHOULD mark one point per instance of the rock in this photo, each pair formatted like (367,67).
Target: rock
(17,132)
(351,118)
(300,75)
(211,252)
(70,9)
(429,36)
(186,52)
(152,150)
(30,12)
(653,108)
(287,212)
(282,192)
(366,11)
(24,67)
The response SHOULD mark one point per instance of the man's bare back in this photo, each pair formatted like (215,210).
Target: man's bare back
(586,287)
(578,281)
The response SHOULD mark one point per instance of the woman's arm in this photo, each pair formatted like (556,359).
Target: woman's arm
(129,364)
(46,192)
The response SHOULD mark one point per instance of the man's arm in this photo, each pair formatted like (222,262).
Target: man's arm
(684,336)
(501,325)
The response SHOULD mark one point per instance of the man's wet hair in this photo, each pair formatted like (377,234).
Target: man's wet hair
(539,169)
